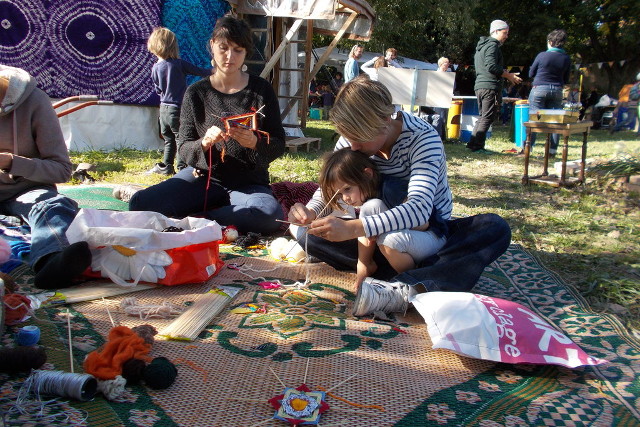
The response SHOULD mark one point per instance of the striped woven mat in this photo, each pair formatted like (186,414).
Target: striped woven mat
(376,373)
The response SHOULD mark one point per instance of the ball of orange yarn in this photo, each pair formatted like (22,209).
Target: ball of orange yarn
(16,308)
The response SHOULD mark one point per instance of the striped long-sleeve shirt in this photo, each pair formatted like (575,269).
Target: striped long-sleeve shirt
(418,155)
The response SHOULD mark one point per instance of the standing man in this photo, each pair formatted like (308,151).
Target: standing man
(351,67)
(489,73)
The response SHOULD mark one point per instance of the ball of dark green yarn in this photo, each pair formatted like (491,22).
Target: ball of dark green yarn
(21,359)
(132,370)
(160,373)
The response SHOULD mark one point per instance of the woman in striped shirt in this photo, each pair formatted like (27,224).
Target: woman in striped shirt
(408,149)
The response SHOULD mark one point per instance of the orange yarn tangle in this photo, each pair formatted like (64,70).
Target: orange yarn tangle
(122,344)
(17,307)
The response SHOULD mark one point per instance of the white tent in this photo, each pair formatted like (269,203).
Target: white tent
(339,56)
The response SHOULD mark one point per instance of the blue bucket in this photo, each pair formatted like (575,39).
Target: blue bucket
(470,115)
(520,115)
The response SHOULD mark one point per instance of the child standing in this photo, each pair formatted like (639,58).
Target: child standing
(327,100)
(351,184)
(169,79)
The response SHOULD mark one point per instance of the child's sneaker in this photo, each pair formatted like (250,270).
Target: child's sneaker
(162,169)
(126,191)
(379,296)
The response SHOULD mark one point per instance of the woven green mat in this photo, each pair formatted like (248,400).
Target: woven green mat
(94,197)
(309,333)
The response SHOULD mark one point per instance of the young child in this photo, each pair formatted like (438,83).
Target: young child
(327,100)
(169,80)
(351,184)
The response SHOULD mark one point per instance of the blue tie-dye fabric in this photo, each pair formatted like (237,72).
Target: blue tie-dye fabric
(193,22)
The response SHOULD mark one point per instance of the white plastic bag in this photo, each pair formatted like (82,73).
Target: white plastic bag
(132,245)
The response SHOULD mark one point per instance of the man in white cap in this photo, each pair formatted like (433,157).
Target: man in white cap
(489,74)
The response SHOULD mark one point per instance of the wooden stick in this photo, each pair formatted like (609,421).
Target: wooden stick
(261,422)
(70,342)
(277,377)
(340,383)
(108,312)
(244,399)
(304,381)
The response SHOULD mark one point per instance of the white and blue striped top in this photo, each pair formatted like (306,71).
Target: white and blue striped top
(419,156)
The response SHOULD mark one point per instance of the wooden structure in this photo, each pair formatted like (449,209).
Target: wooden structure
(285,28)
(565,130)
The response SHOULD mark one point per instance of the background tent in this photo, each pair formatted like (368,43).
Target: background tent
(338,57)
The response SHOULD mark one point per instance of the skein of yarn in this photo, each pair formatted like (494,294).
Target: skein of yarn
(16,308)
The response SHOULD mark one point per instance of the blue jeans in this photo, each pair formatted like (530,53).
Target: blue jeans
(169,127)
(249,208)
(541,97)
(48,214)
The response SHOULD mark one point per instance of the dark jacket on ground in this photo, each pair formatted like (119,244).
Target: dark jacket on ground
(489,64)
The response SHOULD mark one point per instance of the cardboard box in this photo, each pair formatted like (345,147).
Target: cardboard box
(555,116)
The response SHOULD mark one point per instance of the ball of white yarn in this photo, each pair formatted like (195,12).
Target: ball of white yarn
(5,251)
(282,248)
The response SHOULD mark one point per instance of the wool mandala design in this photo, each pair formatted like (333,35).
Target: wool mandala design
(82,46)
(290,313)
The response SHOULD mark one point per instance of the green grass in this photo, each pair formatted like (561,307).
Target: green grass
(589,235)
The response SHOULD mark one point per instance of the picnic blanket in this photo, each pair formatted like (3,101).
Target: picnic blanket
(376,373)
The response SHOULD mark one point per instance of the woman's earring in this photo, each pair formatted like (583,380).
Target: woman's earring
(213,63)
(244,68)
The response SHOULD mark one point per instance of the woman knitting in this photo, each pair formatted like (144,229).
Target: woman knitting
(227,179)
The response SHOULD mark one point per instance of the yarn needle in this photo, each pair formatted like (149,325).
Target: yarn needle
(292,223)
(70,342)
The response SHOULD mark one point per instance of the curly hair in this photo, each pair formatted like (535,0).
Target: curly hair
(557,38)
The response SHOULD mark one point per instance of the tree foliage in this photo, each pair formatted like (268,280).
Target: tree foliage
(599,30)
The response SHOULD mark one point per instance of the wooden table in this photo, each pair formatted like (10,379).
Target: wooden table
(564,129)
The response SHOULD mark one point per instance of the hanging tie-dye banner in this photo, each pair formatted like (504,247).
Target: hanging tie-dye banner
(83,47)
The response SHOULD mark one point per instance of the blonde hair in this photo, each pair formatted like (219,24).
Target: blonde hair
(381,61)
(442,60)
(353,50)
(163,43)
(362,108)
(347,166)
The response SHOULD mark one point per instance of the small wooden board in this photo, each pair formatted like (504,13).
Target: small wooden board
(293,144)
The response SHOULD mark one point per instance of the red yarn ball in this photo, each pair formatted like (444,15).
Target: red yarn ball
(16,308)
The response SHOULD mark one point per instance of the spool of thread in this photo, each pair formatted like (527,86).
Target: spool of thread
(28,335)
(81,387)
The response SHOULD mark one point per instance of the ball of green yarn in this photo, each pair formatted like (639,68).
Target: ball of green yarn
(160,373)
